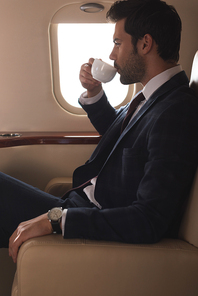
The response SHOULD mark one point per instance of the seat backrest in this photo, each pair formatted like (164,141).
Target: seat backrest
(194,74)
(189,225)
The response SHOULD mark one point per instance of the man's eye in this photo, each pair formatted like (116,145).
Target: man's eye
(117,44)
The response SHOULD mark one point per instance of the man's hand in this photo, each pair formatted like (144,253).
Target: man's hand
(93,86)
(32,228)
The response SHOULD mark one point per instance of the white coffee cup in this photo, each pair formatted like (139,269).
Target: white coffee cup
(102,71)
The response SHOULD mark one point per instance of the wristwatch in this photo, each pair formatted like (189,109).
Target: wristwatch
(54,216)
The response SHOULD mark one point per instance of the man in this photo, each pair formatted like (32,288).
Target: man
(141,174)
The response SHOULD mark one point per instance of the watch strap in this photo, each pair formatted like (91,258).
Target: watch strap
(56,226)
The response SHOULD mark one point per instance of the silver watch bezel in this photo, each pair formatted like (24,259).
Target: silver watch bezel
(55,214)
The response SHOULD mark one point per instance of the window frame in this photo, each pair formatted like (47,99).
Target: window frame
(66,14)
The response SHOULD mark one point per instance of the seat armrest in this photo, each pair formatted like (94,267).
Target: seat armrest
(59,186)
(51,265)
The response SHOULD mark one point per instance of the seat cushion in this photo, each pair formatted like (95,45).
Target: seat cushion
(51,266)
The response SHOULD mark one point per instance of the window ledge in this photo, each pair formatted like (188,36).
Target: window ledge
(8,139)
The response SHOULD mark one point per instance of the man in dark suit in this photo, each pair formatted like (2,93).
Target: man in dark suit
(140,175)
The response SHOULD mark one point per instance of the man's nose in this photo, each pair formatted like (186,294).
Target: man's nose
(112,55)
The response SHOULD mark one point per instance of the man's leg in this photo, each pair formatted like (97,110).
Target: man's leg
(21,202)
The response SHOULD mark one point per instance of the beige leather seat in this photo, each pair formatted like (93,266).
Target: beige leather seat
(51,265)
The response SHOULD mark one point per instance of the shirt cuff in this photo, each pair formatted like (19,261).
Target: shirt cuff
(84,100)
(63,221)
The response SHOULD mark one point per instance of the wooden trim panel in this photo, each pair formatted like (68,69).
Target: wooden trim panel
(41,138)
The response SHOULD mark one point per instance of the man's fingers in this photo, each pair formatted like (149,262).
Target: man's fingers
(38,226)
(86,76)
(86,79)
(15,242)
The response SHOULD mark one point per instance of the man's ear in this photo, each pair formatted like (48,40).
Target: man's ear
(147,43)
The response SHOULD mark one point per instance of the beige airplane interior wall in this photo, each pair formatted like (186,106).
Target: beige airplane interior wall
(38,164)
(26,97)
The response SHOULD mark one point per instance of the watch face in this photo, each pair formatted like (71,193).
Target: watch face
(55,214)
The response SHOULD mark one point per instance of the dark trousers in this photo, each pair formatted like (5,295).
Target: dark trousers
(21,202)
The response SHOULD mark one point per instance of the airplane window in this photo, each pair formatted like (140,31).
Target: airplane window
(75,36)
(91,40)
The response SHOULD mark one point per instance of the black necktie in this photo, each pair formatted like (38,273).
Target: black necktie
(136,101)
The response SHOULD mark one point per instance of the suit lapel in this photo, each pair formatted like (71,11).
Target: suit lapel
(166,88)
(111,136)
(178,80)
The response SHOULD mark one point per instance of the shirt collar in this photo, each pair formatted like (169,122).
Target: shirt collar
(160,79)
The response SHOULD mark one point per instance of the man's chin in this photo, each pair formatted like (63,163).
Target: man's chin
(124,81)
(128,80)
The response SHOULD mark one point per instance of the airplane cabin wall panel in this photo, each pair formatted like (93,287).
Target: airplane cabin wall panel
(27,102)
(38,164)
(189,42)
(26,91)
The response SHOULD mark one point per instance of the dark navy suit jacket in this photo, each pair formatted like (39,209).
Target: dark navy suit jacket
(144,174)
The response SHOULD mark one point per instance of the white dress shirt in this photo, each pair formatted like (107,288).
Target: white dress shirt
(147,91)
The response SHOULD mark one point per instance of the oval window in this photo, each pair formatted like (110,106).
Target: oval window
(73,42)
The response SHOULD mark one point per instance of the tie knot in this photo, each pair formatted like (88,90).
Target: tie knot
(132,107)
(135,102)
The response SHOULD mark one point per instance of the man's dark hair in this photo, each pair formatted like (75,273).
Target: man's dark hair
(153,17)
